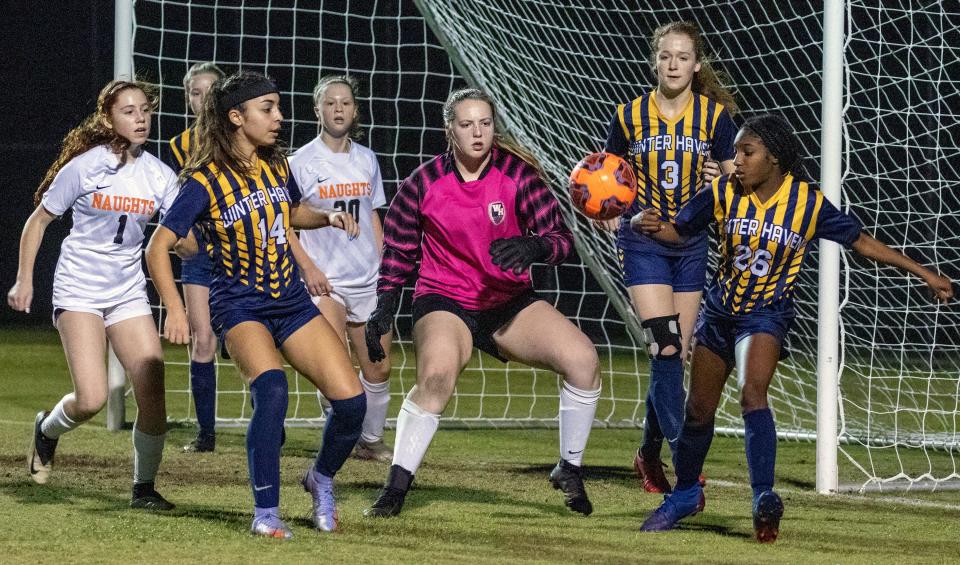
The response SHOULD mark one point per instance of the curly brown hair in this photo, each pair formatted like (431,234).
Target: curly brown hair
(215,131)
(95,130)
(708,81)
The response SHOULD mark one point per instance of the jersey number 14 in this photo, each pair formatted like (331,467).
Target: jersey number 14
(277,231)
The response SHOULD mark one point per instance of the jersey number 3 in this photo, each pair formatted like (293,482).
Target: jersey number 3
(276,231)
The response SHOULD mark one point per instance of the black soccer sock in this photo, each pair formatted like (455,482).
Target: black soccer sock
(761,446)
(203,383)
(691,452)
(652,434)
(341,433)
(264,433)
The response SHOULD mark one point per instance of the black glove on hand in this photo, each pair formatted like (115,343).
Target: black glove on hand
(380,322)
(518,253)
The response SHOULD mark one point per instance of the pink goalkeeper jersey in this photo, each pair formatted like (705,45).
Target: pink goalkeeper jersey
(449,224)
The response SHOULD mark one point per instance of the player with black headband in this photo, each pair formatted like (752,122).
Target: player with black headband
(236,188)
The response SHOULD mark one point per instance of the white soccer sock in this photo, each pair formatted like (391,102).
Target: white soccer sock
(577,408)
(57,422)
(378,398)
(147,453)
(415,429)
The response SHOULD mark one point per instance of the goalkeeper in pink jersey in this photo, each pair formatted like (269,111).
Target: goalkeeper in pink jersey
(476,217)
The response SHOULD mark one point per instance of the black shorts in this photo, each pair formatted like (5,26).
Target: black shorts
(481,323)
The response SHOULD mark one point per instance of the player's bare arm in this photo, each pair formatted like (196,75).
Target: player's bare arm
(175,327)
(21,293)
(872,248)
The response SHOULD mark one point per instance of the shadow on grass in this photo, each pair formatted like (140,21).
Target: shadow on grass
(25,492)
(606,473)
(423,496)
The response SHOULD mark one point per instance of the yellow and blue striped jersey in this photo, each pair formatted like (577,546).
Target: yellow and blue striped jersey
(667,155)
(762,244)
(249,219)
(179,149)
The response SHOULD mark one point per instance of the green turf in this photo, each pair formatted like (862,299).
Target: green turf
(481,496)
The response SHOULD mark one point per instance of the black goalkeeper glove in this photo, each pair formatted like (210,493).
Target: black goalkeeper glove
(518,253)
(380,322)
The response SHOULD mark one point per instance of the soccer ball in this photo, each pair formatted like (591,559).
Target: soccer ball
(603,186)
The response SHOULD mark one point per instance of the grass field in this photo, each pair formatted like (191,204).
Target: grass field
(481,496)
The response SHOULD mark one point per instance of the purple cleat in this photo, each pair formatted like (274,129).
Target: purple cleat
(320,487)
(675,507)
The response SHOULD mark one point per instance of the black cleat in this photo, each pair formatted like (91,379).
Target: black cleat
(203,443)
(391,498)
(147,498)
(767,511)
(42,450)
(568,478)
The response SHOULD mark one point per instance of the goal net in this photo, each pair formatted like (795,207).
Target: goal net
(405,76)
(557,70)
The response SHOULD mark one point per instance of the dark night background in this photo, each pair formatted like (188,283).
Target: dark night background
(58,58)
(53,67)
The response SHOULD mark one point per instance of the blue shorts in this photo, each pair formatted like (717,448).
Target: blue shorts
(281,325)
(720,332)
(685,273)
(197,270)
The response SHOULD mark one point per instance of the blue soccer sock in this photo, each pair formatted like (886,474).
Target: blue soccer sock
(652,434)
(269,392)
(341,433)
(690,452)
(667,396)
(203,383)
(761,446)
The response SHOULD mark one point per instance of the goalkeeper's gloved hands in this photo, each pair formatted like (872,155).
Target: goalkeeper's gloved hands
(518,253)
(380,322)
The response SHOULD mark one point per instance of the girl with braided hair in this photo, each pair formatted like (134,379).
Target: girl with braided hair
(767,215)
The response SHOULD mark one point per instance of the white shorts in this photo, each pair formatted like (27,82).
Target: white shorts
(358,303)
(110,314)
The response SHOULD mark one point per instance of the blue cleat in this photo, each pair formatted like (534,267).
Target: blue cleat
(270,526)
(320,487)
(675,507)
(767,511)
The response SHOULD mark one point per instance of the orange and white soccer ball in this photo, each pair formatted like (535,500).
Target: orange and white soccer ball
(603,186)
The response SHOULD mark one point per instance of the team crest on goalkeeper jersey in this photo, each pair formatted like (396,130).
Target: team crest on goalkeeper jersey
(496,212)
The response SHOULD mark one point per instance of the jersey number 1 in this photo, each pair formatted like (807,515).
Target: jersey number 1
(118,239)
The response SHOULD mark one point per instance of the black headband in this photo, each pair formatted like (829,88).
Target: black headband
(247,92)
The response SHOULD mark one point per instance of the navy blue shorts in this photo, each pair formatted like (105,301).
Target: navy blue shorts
(197,270)
(481,323)
(685,273)
(721,332)
(280,325)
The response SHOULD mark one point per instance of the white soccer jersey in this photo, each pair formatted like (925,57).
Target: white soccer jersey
(100,261)
(341,181)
